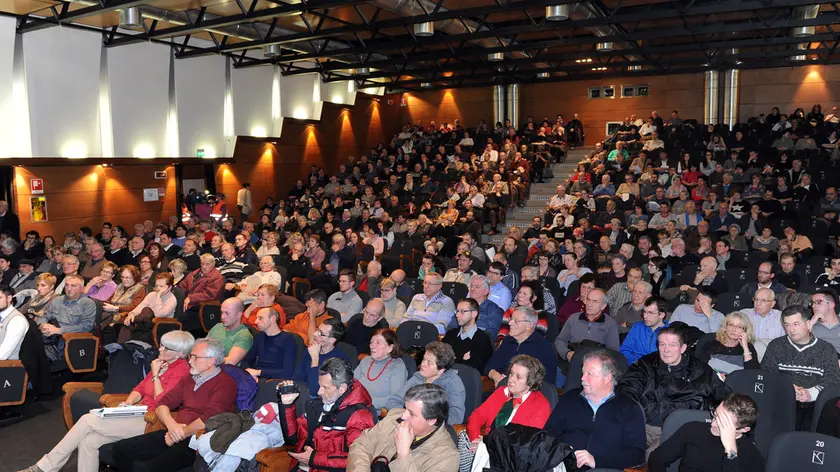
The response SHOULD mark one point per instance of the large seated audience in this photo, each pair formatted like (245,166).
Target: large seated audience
(379,332)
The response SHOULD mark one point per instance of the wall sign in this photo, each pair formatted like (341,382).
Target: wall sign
(160,174)
(36,186)
(150,195)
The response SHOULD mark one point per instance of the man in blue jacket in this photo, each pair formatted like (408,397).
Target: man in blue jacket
(641,339)
(606,429)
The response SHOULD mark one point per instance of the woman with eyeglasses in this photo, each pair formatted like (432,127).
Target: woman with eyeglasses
(147,270)
(732,348)
(92,432)
(383,373)
(102,286)
(129,293)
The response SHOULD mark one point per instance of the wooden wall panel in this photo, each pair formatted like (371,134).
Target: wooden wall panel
(273,169)
(788,89)
(468,105)
(89,195)
(681,92)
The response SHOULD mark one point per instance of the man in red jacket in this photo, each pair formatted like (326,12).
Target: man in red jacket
(199,286)
(331,422)
(206,393)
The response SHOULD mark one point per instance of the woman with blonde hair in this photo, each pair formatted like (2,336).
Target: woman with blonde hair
(732,348)
(40,296)
(179,270)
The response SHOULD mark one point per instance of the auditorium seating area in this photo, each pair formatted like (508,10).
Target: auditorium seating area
(766,211)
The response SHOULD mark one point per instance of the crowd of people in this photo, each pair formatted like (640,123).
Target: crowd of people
(617,281)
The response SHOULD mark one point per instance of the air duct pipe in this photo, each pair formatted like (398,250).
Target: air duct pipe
(710,97)
(808,12)
(513,104)
(498,104)
(731,82)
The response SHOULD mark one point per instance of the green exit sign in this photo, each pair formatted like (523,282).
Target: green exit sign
(199,152)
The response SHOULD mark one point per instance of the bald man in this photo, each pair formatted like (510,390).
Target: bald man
(231,332)
(403,290)
(361,328)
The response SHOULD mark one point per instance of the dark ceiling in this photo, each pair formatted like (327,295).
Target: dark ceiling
(376,42)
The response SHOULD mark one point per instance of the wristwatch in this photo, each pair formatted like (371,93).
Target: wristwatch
(155,377)
(731,455)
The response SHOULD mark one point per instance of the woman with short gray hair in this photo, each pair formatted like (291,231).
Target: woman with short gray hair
(92,432)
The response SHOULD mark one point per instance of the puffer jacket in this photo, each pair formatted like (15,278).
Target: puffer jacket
(332,436)
(662,389)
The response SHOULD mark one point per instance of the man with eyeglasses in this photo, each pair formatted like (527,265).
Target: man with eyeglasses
(631,312)
(641,340)
(207,392)
(621,292)
(431,306)
(230,331)
(346,301)
(590,326)
(490,315)
(765,319)
(472,346)
(499,294)
(765,279)
(523,339)
(825,323)
(809,362)
(320,350)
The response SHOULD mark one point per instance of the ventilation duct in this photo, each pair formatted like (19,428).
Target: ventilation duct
(543,75)
(557,12)
(496,57)
(710,99)
(424,29)
(498,103)
(805,13)
(513,104)
(426,84)
(634,68)
(731,83)
(362,71)
(130,18)
(588,11)
(800,57)
(272,50)
(605,46)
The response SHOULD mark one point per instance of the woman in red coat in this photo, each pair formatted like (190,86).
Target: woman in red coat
(519,402)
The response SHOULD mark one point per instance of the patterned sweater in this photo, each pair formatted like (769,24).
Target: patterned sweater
(812,366)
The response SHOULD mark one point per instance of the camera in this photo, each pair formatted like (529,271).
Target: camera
(286,389)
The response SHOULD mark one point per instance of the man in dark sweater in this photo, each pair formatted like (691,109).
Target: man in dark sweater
(322,348)
(723,447)
(361,328)
(809,362)
(272,356)
(206,393)
(472,346)
(523,339)
(606,429)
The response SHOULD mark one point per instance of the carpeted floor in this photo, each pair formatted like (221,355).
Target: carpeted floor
(24,441)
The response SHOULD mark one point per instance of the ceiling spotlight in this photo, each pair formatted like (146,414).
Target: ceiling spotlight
(424,29)
(598,69)
(496,57)
(543,75)
(272,50)
(605,46)
(557,12)
(426,84)
(634,68)
(585,60)
(361,71)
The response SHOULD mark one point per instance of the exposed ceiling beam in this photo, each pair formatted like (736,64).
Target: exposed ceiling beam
(391,67)
(643,13)
(826,18)
(393,23)
(32,24)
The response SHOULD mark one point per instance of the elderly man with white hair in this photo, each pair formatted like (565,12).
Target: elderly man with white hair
(766,320)
(266,275)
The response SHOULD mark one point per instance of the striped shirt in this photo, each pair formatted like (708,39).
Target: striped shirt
(437,310)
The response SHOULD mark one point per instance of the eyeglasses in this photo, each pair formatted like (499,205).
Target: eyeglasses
(194,357)
(817,302)
(515,321)
(736,326)
(322,334)
(463,312)
(494,272)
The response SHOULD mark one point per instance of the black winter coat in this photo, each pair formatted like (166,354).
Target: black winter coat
(661,389)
